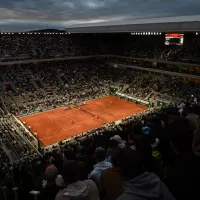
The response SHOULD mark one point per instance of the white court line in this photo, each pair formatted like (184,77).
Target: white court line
(69,117)
(62,107)
(71,126)
(55,123)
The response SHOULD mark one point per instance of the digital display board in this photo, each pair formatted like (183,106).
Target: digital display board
(174,39)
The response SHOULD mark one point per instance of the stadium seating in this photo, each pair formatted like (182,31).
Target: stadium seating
(163,141)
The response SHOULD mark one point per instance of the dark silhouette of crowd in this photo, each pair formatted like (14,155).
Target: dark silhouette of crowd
(150,155)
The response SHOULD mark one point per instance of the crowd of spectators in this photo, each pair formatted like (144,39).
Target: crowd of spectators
(36,46)
(150,155)
(43,86)
(60,83)
(15,138)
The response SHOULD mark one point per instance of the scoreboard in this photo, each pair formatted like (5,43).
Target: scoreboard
(174,39)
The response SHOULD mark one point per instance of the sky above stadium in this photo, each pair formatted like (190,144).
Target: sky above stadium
(23,15)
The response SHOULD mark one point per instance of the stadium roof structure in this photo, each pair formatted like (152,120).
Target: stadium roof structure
(166,24)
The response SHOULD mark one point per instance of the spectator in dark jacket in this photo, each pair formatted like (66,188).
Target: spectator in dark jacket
(140,185)
(183,173)
(50,189)
(111,181)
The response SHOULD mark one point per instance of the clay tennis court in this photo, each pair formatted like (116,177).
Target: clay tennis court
(55,125)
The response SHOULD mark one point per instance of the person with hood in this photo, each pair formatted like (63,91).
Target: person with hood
(140,185)
(100,166)
(117,138)
(74,188)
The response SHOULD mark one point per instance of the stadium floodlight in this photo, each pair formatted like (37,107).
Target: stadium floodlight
(160,33)
(197,33)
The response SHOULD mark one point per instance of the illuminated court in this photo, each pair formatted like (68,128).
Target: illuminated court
(55,125)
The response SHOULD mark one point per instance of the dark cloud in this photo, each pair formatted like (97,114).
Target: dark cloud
(35,14)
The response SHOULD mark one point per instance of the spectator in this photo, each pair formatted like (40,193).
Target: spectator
(50,189)
(100,166)
(183,173)
(74,188)
(192,117)
(139,184)
(119,141)
(111,181)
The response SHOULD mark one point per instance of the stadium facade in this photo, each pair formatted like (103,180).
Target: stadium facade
(167,24)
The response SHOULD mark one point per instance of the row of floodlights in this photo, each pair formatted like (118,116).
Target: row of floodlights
(36,33)
(146,33)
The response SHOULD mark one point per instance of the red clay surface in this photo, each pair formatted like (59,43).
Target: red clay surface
(55,125)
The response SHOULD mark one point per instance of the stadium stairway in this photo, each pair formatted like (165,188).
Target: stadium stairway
(32,81)
(124,88)
(19,100)
(61,82)
(8,100)
(149,95)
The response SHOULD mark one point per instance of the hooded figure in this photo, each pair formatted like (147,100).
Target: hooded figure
(119,140)
(140,185)
(100,166)
(144,187)
(76,189)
